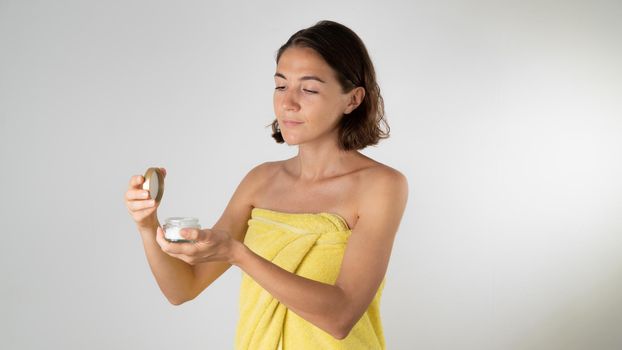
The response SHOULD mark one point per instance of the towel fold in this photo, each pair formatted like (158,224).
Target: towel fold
(312,246)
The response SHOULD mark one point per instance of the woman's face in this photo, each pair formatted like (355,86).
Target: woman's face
(308,99)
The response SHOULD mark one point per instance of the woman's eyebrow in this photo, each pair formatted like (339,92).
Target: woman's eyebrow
(306,77)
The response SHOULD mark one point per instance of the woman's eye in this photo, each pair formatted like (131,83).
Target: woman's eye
(309,91)
(279,88)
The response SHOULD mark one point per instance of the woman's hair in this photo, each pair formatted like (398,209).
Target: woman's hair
(346,54)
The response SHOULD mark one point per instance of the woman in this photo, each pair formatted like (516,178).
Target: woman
(312,234)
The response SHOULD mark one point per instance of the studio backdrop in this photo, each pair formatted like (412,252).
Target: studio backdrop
(505,116)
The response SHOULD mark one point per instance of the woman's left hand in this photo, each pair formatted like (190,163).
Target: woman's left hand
(208,245)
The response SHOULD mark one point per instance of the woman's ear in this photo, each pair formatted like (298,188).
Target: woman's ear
(356,97)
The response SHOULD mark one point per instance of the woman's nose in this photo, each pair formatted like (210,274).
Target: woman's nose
(290,101)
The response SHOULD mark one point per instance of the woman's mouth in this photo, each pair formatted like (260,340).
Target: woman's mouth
(291,123)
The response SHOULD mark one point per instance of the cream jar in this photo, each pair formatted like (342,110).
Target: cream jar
(173,225)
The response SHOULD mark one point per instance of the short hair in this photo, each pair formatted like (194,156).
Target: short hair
(346,54)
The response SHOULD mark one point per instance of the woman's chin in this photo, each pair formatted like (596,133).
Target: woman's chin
(291,141)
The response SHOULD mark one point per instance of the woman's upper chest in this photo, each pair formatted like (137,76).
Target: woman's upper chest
(336,195)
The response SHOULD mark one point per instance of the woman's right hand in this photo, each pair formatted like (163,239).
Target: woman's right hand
(141,207)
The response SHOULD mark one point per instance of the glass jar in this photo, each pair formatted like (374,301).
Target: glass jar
(173,225)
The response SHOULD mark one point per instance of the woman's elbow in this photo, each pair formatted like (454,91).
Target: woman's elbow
(179,301)
(343,328)
(181,298)
(340,335)
(176,302)
(342,332)
(346,318)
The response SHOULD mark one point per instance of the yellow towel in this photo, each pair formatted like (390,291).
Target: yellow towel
(312,246)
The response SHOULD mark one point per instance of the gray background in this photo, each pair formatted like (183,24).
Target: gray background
(506,118)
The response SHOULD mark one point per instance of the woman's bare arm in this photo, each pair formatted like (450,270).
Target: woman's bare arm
(181,281)
(174,277)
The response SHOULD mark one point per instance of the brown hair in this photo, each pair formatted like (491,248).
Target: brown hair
(346,54)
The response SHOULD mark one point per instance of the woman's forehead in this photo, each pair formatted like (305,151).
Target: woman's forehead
(303,61)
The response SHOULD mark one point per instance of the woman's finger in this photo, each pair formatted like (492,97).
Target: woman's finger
(192,234)
(172,248)
(140,204)
(136,194)
(136,181)
(168,247)
(163,243)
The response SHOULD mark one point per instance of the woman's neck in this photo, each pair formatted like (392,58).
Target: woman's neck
(316,162)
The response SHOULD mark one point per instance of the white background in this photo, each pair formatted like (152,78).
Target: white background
(506,117)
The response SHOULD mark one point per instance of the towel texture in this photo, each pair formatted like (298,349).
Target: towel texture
(310,245)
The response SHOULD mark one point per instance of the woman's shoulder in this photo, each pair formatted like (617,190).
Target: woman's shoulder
(377,171)
(262,172)
(380,178)
(267,168)
(382,187)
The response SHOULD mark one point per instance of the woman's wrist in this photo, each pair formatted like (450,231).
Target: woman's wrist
(237,253)
(149,227)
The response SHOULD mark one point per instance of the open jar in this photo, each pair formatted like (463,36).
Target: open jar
(173,225)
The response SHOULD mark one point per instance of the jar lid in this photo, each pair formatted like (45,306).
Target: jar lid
(154,183)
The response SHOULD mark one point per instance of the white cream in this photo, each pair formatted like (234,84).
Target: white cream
(173,225)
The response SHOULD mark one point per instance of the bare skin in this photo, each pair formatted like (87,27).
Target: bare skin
(370,196)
